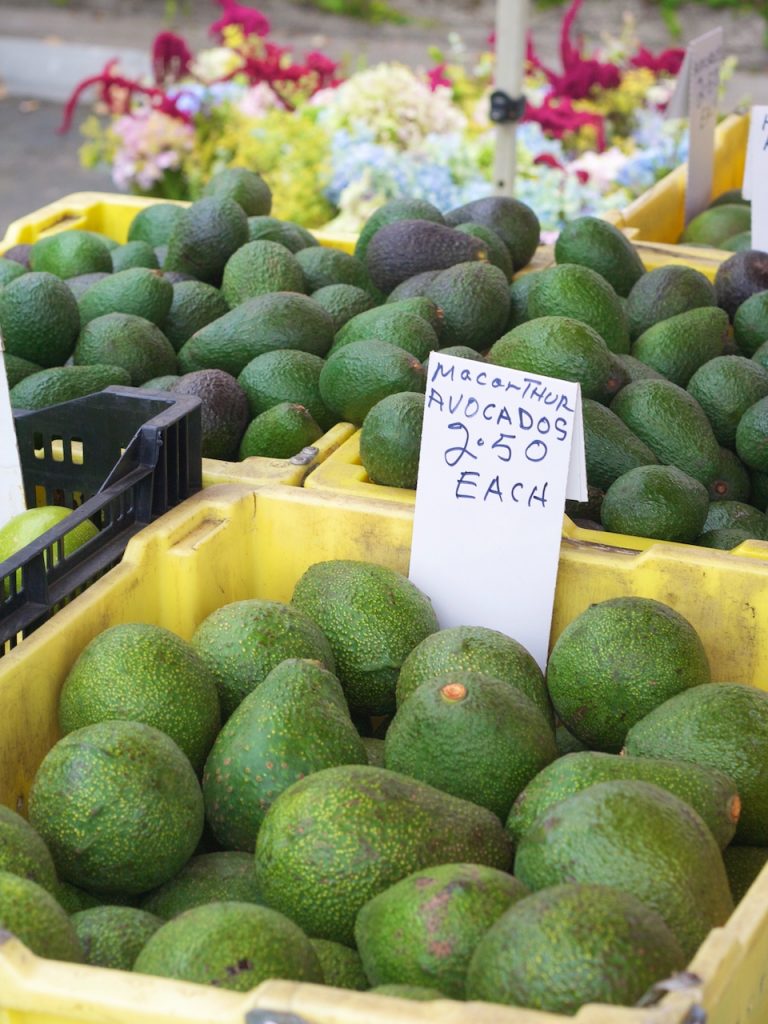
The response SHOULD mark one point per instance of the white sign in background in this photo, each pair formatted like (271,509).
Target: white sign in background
(755,185)
(695,97)
(11,481)
(500,452)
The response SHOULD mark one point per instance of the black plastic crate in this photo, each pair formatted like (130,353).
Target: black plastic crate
(120,458)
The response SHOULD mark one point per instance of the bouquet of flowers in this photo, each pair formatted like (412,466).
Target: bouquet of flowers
(333,149)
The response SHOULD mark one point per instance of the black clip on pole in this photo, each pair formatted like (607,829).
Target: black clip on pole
(505,107)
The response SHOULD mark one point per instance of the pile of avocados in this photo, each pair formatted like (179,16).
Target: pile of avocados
(335,790)
(282,338)
(673,371)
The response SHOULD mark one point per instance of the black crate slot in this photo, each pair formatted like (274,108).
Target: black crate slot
(119,458)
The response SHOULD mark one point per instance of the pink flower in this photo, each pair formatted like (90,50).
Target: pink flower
(668,61)
(170,57)
(150,145)
(437,77)
(259,99)
(251,21)
(580,74)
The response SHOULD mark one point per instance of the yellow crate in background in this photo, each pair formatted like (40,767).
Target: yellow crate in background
(111,214)
(658,215)
(653,255)
(257,471)
(655,216)
(343,474)
(230,543)
(661,254)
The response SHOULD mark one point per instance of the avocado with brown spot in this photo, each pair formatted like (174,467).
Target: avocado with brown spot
(424,929)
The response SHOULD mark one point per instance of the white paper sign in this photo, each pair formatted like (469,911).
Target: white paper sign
(11,481)
(695,97)
(755,185)
(757,115)
(500,452)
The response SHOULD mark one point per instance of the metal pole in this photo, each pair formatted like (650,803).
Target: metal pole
(511,28)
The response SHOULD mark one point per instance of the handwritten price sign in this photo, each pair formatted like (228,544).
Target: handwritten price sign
(500,452)
(696,97)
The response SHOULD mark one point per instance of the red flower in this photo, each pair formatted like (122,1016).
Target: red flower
(171,57)
(668,61)
(323,67)
(550,161)
(580,74)
(558,117)
(437,76)
(268,67)
(547,160)
(113,90)
(251,21)
(317,61)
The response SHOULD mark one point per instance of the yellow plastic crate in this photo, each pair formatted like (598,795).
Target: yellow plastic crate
(343,474)
(653,255)
(257,471)
(229,543)
(659,214)
(661,254)
(110,213)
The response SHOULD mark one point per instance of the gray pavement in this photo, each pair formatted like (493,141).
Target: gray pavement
(38,166)
(46,48)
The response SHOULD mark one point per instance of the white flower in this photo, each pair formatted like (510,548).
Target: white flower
(602,168)
(660,93)
(211,65)
(394,104)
